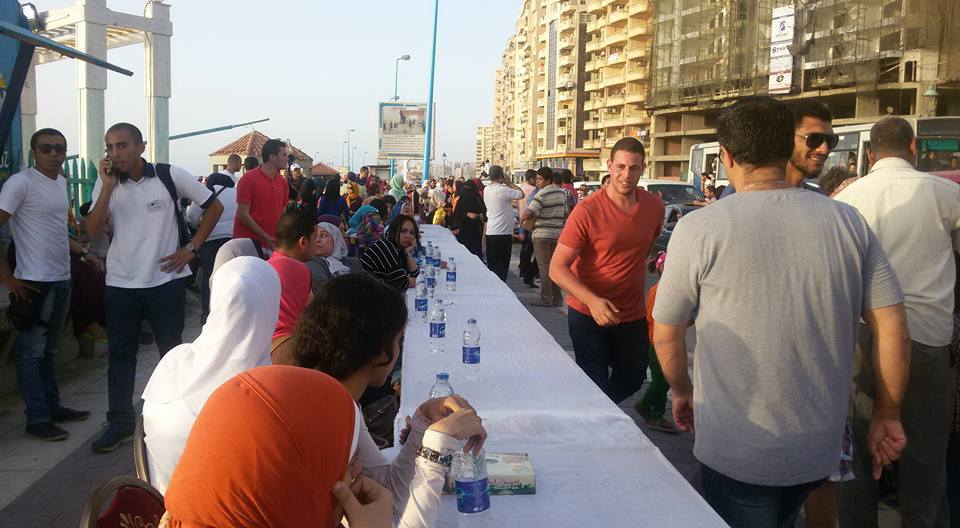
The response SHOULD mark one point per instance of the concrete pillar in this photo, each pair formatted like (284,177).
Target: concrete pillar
(91,83)
(28,109)
(927,65)
(868,104)
(157,86)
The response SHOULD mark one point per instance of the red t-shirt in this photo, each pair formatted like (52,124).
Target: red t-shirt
(266,196)
(613,247)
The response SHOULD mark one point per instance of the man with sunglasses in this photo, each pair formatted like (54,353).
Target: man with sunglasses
(812,142)
(35,202)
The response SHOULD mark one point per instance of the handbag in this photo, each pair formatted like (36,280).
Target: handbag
(24,315)
(379,417)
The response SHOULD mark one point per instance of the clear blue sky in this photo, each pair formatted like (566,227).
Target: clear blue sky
(315,68)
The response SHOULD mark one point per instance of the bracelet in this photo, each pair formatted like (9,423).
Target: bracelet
(434,456)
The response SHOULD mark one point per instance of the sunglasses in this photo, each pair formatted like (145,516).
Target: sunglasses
(46,148)
(818,138)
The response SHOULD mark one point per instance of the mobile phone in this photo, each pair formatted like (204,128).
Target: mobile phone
(108,166)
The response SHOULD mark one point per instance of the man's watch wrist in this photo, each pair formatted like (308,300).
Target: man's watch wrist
(189,247)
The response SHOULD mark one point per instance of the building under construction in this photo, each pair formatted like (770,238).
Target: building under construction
(863,58)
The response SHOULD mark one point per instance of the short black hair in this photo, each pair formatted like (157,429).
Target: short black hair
(891,135)
(605,179)
(628,144)
(567,175)
(351,321)
(393,230)
(801,108)
(496,173)
(390,200)
(234,157)
(45,132)
(293,225)
(530,175)
(133,130)
(270,148)
(381,207)
(251,163)
(757,131)
(364,169)
(547,174)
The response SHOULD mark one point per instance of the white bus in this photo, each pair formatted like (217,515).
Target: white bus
(938,150)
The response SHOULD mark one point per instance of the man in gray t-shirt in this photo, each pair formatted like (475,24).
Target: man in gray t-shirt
(776,280)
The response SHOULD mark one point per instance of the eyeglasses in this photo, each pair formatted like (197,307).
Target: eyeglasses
(46,148)
(819,138)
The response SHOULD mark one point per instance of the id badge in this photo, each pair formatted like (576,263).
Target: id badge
(155,206)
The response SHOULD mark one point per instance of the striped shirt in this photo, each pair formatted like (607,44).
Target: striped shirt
(550,208)
(383,260)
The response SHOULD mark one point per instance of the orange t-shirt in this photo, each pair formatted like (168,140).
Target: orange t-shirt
(613,247)
(650,300)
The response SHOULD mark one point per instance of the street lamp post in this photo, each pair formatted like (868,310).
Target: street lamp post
(443,166)
(396,97)
(396,75)
(433,67)
(349,157)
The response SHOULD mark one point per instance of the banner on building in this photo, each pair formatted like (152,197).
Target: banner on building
(781,61)
(403,130)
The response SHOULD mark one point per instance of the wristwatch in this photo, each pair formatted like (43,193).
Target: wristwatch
(189,247)
(434,456)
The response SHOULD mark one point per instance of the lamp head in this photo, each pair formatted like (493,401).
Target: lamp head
(404,57)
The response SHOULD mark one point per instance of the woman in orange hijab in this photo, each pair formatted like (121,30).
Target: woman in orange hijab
(262,454)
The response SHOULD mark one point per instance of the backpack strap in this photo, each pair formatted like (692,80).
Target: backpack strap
(163,172)
(259,248)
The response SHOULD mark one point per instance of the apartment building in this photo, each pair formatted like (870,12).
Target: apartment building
(485,147)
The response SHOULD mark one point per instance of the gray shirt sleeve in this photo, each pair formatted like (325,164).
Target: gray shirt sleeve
(678,294)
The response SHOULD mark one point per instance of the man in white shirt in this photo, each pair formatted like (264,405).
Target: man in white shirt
(224,183)
(146,264)
(916,217)
(35,202)
(499,197)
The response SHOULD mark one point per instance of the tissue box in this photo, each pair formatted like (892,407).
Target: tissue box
(507,474)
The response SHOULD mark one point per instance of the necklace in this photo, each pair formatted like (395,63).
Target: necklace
(780,184)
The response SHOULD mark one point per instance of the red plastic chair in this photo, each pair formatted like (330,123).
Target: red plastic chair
(133,504)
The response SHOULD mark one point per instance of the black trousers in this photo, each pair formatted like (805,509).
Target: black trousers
(528,270)
(499,248)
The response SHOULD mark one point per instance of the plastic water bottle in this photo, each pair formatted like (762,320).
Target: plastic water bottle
(451,275)
(438,326)
(441,388)
(431,281)
(473,495)
(421,299)
(437,258)
(471,351)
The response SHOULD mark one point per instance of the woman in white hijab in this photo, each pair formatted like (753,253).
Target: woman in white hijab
(331,260)
(244,305)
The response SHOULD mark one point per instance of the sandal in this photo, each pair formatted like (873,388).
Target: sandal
(662,425)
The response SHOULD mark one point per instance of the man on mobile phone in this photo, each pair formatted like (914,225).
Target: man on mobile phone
(146,264)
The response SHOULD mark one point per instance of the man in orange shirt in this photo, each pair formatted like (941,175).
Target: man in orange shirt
(600,261)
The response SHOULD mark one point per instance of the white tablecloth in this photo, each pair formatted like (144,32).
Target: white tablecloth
(593,465)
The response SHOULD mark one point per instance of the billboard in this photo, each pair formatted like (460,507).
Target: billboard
(403,130)
(781,60)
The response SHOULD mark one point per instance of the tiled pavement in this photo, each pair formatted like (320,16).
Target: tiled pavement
(47,485)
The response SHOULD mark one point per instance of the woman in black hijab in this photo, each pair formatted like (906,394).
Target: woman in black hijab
(467,219)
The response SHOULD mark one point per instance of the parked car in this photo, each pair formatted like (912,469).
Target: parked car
(671,215)
(672,192)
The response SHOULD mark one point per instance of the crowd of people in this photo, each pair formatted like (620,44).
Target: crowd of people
(823,318)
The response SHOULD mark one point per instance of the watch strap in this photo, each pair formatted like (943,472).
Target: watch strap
(434,456)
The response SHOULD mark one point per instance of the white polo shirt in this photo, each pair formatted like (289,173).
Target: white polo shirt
(916,217)
(228,198)
(144,228)
(38,217)
(499,201)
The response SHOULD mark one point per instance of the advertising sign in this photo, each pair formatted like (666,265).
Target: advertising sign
(403,130)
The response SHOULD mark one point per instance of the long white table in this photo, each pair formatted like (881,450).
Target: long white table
(593,465)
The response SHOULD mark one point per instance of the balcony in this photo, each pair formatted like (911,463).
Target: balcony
(635,117)
(594,6)
(565,43)
(567,24)
(615,100)
(569,6)
(590,125)
(565,113)
(617,15)
(592,64)
(561,131)
(614,36)
(592,45)
(638,51)
(636,95)
(637,74)
(616,58)
(592,85)
(564,79)
(610,142)
(636,30)
(638,6)
(612,79)
(592,104)
(565,95)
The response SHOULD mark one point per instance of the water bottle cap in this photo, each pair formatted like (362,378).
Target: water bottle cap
(471,321)
(442,376)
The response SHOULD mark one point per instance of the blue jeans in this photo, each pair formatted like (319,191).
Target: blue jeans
(744,505)
(615,357)
(163,307)
(35,349)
